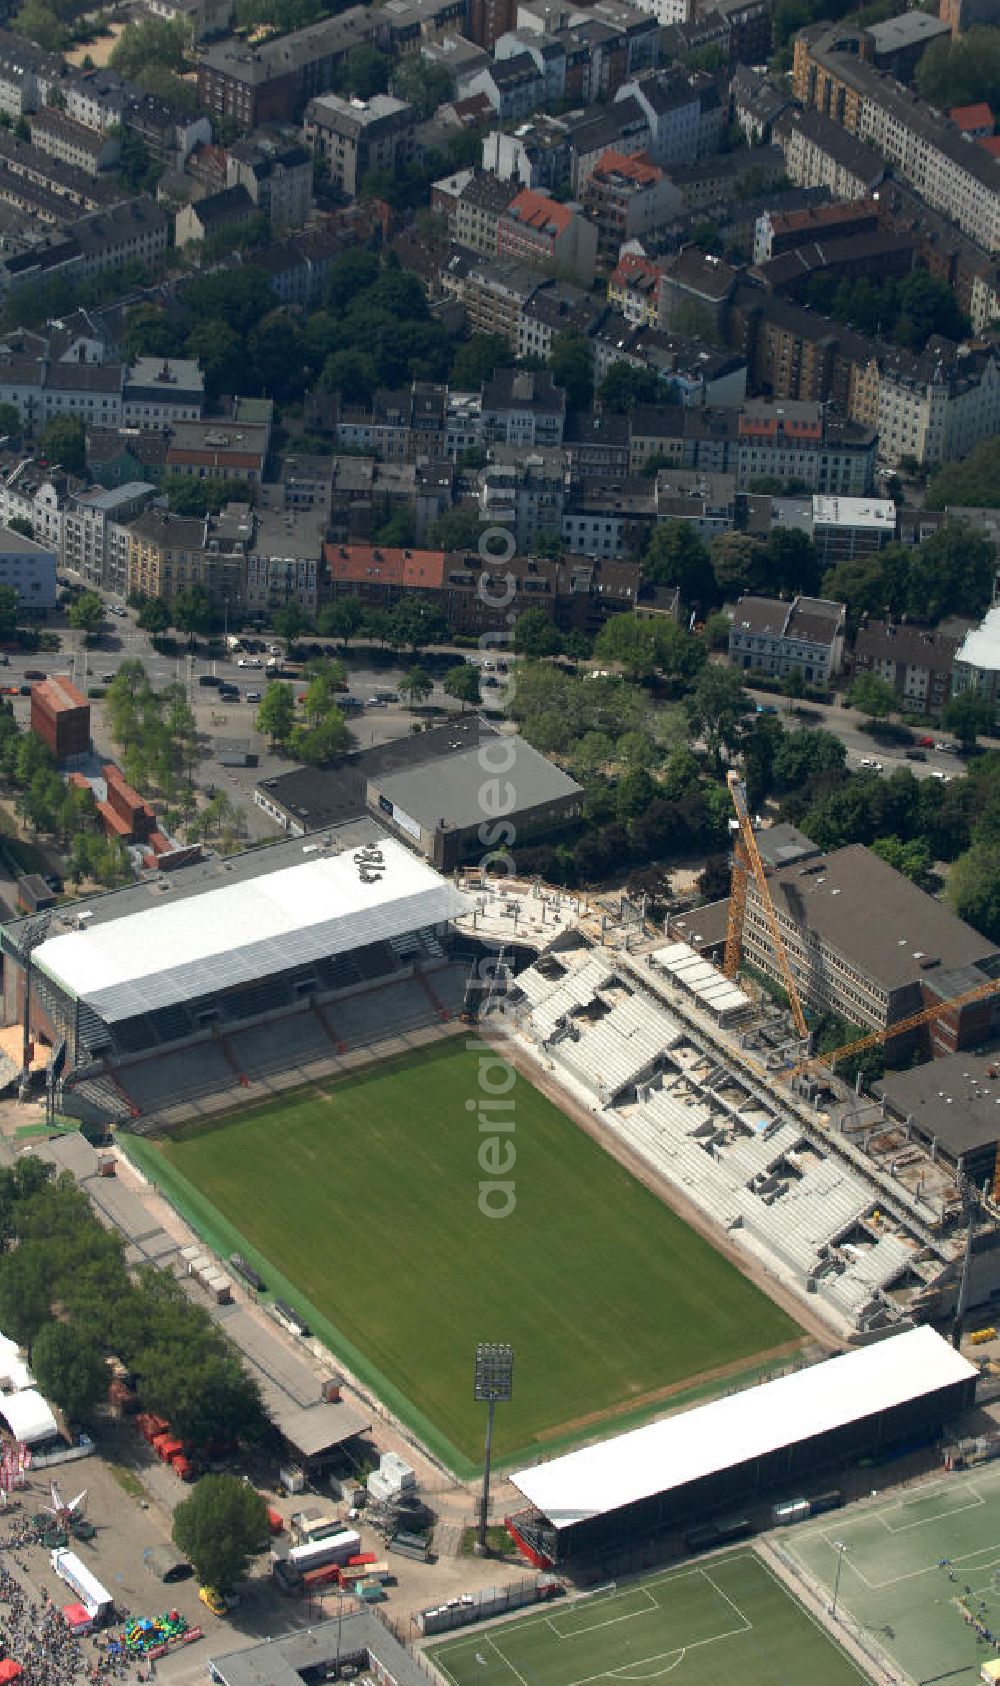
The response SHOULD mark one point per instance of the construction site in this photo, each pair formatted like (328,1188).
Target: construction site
(692,1070)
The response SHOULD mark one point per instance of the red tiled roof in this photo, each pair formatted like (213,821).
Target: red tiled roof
(360,564)
(972,116)
(60,694)
(534,210)
(632,270)
(638,168)
(990,144)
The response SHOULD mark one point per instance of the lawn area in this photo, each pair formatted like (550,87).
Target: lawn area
(361,1197)
(913,1568)
(714,1623)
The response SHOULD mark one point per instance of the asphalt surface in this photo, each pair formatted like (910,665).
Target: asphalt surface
(122,640)
(846,724)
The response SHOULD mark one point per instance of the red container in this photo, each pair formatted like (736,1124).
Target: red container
(152,1426)
(275,1521)
(362,1557)
(326,1575)
(167,1448)
(183,1466)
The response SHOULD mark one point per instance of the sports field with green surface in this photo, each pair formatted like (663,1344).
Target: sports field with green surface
(909,1567)
(358,1200)
(724,1622)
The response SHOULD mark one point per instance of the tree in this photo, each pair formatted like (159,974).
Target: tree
(967,714)
(289,622)
(151,41)
(676,556)
(536,635)
(462,683)
(912,858)
(220,1528)
(276,714)
(572,366)
(422,84)
(973,480)
(624,388)
(365,72)
(737,562)
(86,614)
(790,563)
(341,619)
(476,360)
(961,72)
(69,1368)
(25,1292)
(64,441)
(643,646)
(456,529)
(715,708)
(974,889)
(10,422)
(417,622)
(872,696)
(154,616)
(192,612)
(417,685)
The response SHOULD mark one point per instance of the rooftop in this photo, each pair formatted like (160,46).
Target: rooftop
(913,934)
(310,1653)
(691,1445)
(452,793)
(877,513)
(954,1100)
(536,210)
(907,30)
(981,647)
(237,932)
(60,694)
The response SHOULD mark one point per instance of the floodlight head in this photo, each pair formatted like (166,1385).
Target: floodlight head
(494,1371)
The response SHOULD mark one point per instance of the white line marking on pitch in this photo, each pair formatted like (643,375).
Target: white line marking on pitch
(612,1621)
(504,1659)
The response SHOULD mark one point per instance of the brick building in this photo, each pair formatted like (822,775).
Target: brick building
(60,716)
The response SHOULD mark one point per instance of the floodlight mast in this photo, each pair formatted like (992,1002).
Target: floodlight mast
(494,1380)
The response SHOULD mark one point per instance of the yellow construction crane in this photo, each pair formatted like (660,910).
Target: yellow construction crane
(900,1027)
(746,859)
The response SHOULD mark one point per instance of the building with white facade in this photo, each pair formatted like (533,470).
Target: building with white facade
(29,569)
(95,533)
(937,406)
(778,637)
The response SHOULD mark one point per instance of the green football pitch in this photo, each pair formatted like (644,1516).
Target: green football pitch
(359,1200)
(717,1623)
(911,1566)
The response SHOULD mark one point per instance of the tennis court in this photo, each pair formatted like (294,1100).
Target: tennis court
(911,1569)
(713,1623)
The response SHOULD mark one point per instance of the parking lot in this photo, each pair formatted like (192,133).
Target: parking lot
(219,718)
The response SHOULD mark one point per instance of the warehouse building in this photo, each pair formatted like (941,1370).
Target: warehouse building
(620,1492)
(450,793)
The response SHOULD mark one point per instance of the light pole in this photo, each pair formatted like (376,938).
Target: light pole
(840,1548)
(494,1380)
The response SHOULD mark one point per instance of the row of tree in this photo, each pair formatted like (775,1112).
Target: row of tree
(67,1297)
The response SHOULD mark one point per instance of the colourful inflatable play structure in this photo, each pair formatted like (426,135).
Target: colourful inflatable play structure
(154,1636)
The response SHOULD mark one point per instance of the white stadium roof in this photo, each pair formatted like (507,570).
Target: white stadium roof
(743,1426)
(241,932)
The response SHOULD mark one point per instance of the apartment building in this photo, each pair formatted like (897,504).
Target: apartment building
(285,561)
(537,229)
(522,408)
(820,153)
(29,568)
(159,392)
(98,98)
(523,492)
(354,136)
(778,231)
(478,209)
(936,406)
(794,353)
(621,127)
(796,441)
(672,108)
(73,143)
(135,231)
(26,74)
(278,179)
(779,637)
(977,661)
(612,519)
(916,661)
(494,295)
(95,533)
(538,155)
(274,82)
(27,173)
(695,290)
(843,528)
(169,553)
(954,175)
(629,198)
(218,450)
(634,289)
(556,307)
(694,372)
(515,87)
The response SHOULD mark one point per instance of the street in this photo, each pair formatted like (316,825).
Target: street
(846,724)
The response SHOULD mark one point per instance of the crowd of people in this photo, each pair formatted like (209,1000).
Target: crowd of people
(35,1634)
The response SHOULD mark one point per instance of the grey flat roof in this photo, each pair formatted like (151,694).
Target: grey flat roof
(953,1099)
(876,918)
(288,1661)
(781,844)
(452,790)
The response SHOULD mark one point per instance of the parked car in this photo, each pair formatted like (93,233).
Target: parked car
(34,673)
(944,748)
(107,678)
(253,696)
(926,743)
(209,679)
(942,778)
(24,690)
(873,766)
(915,755)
